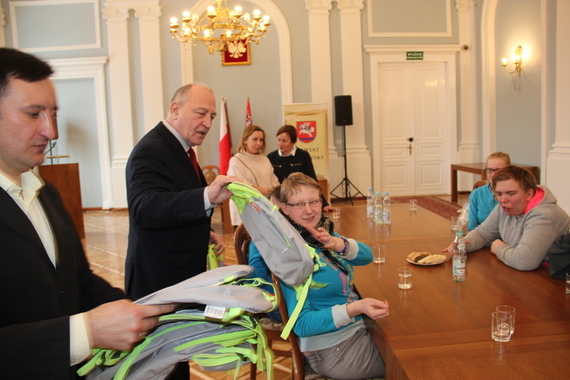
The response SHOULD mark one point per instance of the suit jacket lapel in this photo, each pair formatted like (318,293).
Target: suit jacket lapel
(181,156)
(14,218)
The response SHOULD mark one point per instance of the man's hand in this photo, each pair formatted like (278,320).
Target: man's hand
(375,309)
(119,325)
(219,243)
(217,191)
(495,246)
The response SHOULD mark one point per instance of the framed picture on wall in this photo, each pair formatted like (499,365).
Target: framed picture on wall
(238,53)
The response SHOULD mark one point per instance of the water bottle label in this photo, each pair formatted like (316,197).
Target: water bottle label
(459,269)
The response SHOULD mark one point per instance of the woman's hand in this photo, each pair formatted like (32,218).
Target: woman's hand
(329,241)
(375,309)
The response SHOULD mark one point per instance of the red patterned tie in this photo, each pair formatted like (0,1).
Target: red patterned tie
(194,163)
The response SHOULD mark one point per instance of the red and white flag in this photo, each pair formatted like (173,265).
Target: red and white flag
(225,144)
(248,121)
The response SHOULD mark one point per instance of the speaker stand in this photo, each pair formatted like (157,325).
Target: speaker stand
(345,183)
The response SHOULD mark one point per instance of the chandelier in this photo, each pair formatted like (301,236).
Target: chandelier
(236,29)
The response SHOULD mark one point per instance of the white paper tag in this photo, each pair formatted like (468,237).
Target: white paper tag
(216,312)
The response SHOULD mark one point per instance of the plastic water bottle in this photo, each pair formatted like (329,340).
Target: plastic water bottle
(459,257)
(386,209)
(378,208)
(370,203)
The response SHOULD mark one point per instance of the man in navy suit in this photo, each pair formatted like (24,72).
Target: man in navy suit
(55,310)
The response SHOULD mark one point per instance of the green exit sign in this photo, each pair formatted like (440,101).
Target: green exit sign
(414,55)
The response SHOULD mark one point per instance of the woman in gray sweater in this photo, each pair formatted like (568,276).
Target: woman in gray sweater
(522,227)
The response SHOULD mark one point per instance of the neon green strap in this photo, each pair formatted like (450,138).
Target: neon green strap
(302,291)
(242,193)
(214,260)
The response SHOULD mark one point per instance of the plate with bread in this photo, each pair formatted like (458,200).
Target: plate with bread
(425,258)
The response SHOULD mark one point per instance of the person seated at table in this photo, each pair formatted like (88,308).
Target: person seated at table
(332,334)
(524,225)
(251,166)
(482,200)
(291,159)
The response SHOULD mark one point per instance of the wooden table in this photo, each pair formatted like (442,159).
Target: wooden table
(406,225)
(477,168)
(440,329)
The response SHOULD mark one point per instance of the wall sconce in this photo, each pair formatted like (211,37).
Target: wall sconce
(514,66)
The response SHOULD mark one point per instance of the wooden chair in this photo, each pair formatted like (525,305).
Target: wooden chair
(273,329)
(210,173)
(481,182)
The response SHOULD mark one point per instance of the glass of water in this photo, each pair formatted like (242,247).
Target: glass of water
(508,309)
(404,278)
(501,324)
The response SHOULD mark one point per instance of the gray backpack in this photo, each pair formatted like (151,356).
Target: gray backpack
(224,337)
(284,251)
(281,246)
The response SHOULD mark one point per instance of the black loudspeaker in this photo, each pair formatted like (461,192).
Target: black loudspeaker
(343,110)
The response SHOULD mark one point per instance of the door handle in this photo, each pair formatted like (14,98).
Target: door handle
(410,148)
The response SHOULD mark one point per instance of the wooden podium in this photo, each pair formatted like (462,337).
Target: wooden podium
(65,178)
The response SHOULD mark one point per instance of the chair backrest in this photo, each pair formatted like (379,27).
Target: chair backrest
(480,183)
(210,173)
(241,244)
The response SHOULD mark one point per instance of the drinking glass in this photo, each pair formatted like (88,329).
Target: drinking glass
(508,309)
(568,283)
(379,253)
(404,278)
(336,213)
(413,204)
(501,324)
(453,220)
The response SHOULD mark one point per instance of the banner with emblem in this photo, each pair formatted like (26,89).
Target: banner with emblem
(310,121)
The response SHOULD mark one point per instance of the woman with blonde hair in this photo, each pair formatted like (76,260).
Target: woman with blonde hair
(251,166)
(331,331)
(482,200)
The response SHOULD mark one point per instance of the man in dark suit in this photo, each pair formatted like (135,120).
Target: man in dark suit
(170,205)
(55,309)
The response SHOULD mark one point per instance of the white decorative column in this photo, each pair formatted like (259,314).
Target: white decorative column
(469,144)
(358,157)
(150,60)
(321,73)
(2,27)
(558,161)
(120,95)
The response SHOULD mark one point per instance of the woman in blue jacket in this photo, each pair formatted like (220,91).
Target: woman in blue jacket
(482,200)
(332,334)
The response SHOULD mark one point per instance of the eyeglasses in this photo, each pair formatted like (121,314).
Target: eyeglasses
(299,205)
(491,171)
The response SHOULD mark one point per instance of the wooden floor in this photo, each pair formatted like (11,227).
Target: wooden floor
(106,246)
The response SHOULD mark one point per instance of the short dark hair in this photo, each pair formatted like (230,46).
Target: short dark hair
(523,176)
(290,130)
(19,65)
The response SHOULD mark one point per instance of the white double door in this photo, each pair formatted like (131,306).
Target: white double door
(414,128)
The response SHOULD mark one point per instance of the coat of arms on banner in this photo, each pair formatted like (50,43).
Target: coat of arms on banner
(306,130)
